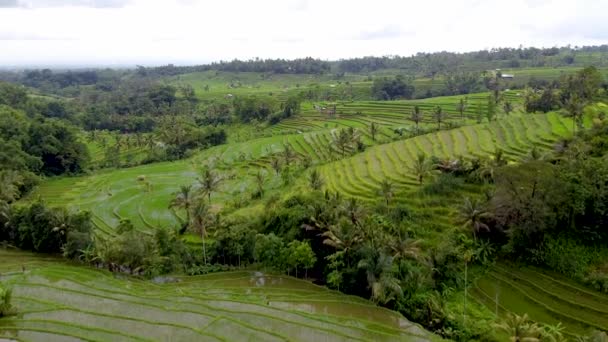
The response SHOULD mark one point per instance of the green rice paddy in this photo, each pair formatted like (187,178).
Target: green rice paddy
(57,301)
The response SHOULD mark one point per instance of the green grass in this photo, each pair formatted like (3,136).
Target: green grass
(59,301)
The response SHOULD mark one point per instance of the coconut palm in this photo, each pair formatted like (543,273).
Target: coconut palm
(343,237)
(6,307)
(260,180)
(183,200)
(342,140)
(200,220)
(315,180)
(288,154)
(439,116)
(462,106)
(10,181)
(275,163)
(209,182)
(404,247)
(472,214)
(354,210)
(386,190)
(378,268)
(507,107)
(373,130)
(574,107)
(421,168)
(520,328)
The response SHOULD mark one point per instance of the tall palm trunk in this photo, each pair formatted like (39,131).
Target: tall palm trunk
(204,250)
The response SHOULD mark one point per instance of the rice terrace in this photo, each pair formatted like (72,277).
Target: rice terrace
(457,196)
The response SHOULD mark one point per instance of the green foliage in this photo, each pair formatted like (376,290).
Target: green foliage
(252,108)
(6,294)
(390,89)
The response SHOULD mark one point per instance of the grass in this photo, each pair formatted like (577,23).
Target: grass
(60,301)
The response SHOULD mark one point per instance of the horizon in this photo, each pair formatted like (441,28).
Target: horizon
(186,64)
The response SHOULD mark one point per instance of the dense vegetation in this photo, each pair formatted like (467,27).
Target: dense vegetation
(420,200)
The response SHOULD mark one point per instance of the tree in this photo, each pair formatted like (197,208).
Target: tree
(462,106)
(472,215)
(373,130)
(491,112)
(386,190)
(260,180)
(183,200)
(520,328)
(315,180)
(300,254)
(416,117)
(575,106)
(275,163)
(200,220)
(421,168)
(439,116)
(342,141)
(208,182)
(6,294)
(380,275)
(288,154)
(507,107)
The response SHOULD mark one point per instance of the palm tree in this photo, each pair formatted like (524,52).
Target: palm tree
(200,222)
(386,190)
(276,165)
(403,247)
(421,168)
(520,328)
(379,271)
(373,130)
(416,117)
(439,116)
(260,180)
(462,107)
(575,106)
(183,200)
(10,181)
(342,237)
(315,180)
(208,182)
(472,214)
(288,154)
(507,107)
(6,294)
(353,210)
(342,141)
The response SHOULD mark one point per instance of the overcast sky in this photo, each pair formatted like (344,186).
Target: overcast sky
(152,32)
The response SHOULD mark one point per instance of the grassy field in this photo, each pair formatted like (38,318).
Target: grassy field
(61,302)
(546,297)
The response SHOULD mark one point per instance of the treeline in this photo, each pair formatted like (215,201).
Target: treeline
(306,65)
(431,64)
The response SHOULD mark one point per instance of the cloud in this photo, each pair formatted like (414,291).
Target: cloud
(66,3)
(386,32)
(9,3)
(195,31)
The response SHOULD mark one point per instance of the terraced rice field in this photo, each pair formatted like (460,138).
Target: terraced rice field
(546,297)
(360,175)
(61,302)
(388,114)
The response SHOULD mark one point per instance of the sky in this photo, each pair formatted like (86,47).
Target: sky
(183,32)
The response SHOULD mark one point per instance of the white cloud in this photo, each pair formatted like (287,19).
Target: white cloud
(196,31)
